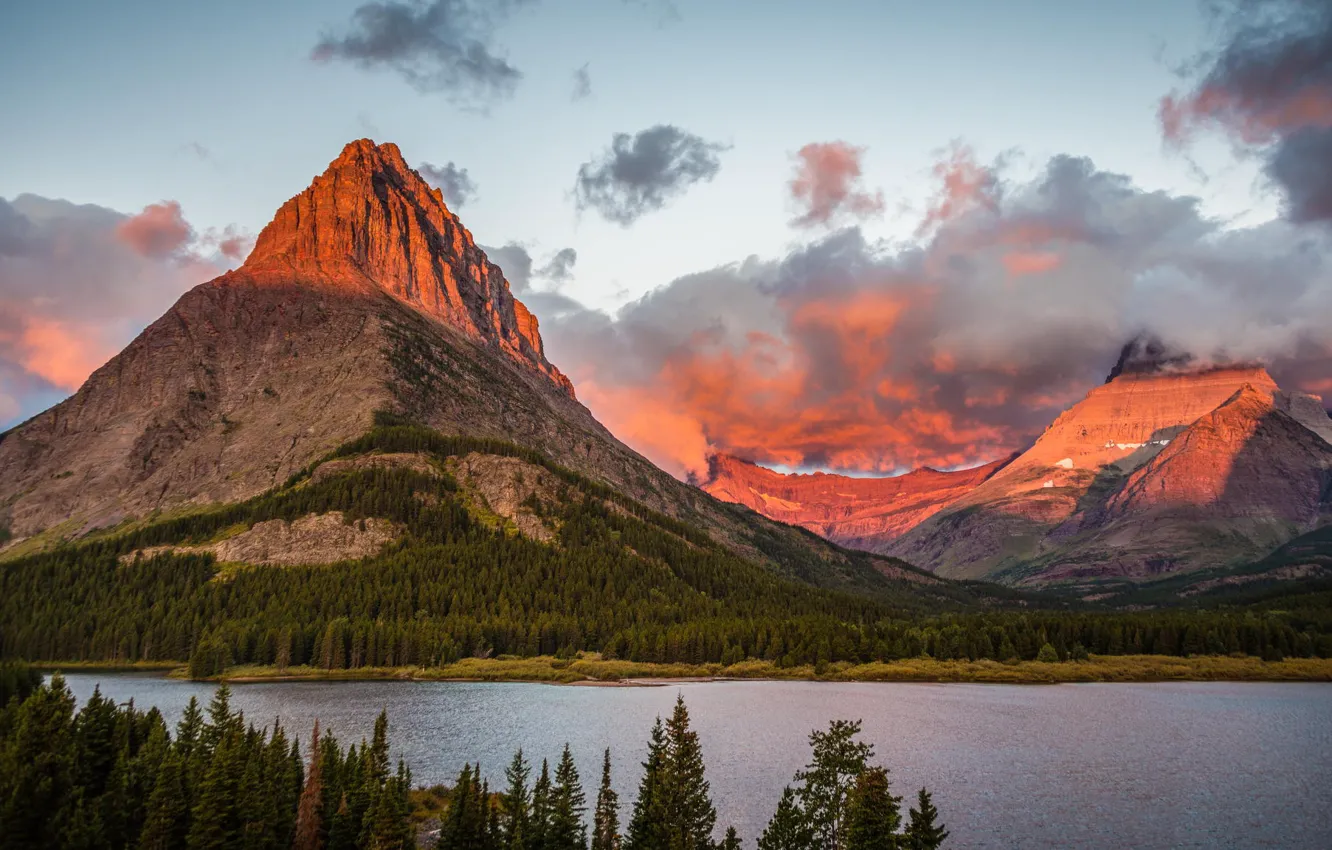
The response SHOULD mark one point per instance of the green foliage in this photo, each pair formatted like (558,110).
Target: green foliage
(17,680)
(825,784)
(788,829)
(924,832)
(674,810)
(112,776)
(606,815)
(1048,654)
(568,803)
(873,813)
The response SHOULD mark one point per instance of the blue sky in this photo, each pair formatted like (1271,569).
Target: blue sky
(104,103)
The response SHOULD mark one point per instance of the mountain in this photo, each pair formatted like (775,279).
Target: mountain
(862,513)
(1155,472)
(364,301)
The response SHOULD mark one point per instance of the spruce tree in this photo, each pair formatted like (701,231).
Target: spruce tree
(539,821)
(37,768)
(606,816)
(517,802)
(647,823)
(873,813)
(690,816)
(308,810)
(168,818)
(732,839)
(788,829)
(924,832)
(568,803)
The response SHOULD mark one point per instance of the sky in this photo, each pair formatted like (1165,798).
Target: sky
(861,236)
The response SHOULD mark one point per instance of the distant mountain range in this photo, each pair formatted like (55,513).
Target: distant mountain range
(1163,469)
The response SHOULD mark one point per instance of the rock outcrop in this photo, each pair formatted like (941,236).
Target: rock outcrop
(863,513)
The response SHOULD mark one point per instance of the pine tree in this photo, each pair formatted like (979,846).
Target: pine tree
(788,829)
(732,839)
(826,783)
(647,823)
(568,803)
(37,768)
(690,816)
(168,818)
(924,832)
(606,816)
(517,802)
(539,821)
(873,813)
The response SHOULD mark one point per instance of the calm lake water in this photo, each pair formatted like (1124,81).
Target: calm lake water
(1149,765)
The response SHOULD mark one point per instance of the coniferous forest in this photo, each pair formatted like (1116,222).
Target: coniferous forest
(112,776)
(617,578)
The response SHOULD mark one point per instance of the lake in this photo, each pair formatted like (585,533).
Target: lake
(1099,765)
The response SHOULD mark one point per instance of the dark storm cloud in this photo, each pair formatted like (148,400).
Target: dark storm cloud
(522,271)
(445,46)
(1269,87)
(454,182)
(640,173)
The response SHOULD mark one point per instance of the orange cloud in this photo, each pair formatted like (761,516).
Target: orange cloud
(61,353)
(1036,262)
(827,184)
(966,185)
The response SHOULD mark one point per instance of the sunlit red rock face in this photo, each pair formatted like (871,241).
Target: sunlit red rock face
(863,513)
(1151,473)
(371,222)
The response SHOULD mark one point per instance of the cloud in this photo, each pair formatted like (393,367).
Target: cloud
(159,231)
(640,173)
(444,46)
(1269,89)
(827,185)
(456,184)
(521,271)
(582,84)
(559,269)
(953,349)
(77,283)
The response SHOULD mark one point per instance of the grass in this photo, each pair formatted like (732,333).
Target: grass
(591,670)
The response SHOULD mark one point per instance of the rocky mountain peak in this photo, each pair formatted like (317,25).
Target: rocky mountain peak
(371,222)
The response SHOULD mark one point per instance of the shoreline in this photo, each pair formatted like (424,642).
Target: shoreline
(592,671)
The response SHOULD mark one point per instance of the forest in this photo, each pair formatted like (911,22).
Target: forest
(618,579)
(113,776)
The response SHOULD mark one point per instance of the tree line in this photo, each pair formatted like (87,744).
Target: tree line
(629,584)
(112,776)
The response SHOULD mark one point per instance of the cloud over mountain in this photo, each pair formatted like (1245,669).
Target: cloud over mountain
(80,281)
(640,173)
(952,349)
(454,182)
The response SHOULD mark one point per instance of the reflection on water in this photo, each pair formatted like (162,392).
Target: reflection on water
(1149,765)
